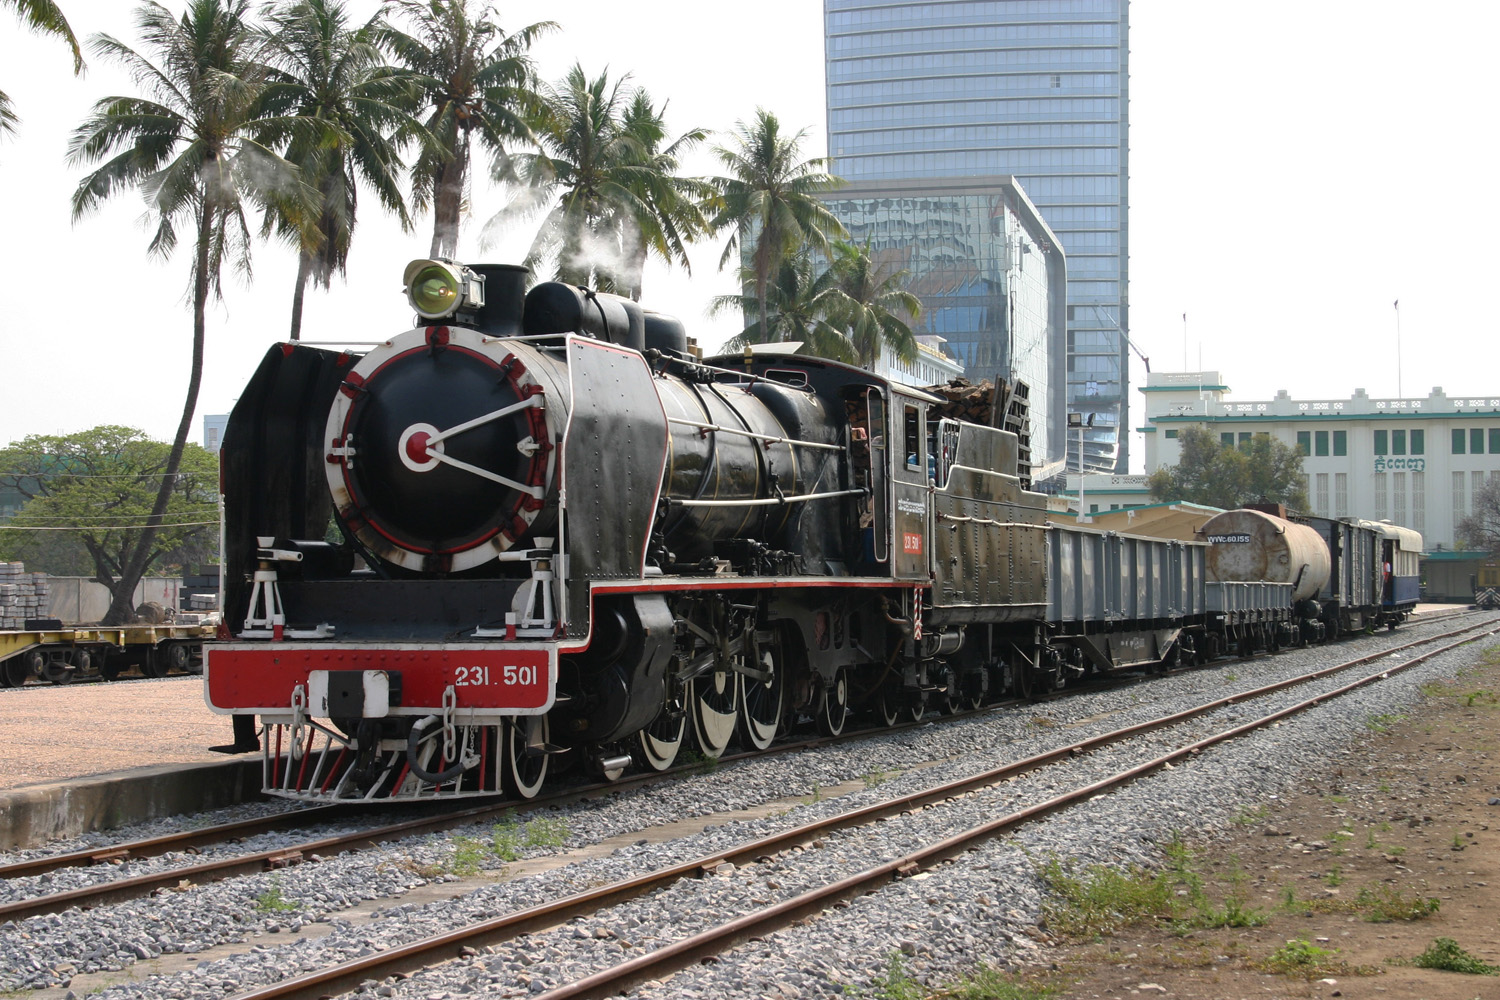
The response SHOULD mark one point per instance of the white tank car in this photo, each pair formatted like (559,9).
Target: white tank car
(1252,545)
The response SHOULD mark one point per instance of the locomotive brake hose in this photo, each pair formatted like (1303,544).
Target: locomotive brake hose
(464,762)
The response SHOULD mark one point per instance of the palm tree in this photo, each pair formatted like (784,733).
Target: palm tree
(190,148)
(613,190)
(871,302)
(770,197)
(799,304)
(476,82)
(336,76)
(45,17)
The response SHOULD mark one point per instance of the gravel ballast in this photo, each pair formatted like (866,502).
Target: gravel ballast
(977,908)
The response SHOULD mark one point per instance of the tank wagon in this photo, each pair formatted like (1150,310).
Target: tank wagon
(536,532)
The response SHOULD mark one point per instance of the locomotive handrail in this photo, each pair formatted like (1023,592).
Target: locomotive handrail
(761,503)
(970,519)
(720,429)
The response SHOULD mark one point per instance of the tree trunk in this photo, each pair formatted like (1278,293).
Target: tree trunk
(304,268)
(447,204)
(120,610)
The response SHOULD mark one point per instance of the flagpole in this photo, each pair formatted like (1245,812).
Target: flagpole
(1396,305)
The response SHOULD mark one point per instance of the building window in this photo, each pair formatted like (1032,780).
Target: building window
(1380,506)
(1304,443)
(1398,442)
(1340,493)
(1495,440)
(1398,497)
(1476,441)
(1419,500)
(1227,439)
(1458,440)
(1418,442)
(1476,483)
(1171,434)
(1341,442)
(1244,438)
(1320,440)
(1458,495)
(1380,445)
(1322,501)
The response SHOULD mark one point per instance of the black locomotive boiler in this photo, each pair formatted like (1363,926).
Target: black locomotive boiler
(536,531)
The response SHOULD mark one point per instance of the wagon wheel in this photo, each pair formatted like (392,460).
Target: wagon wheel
(951,701)
(525,755)
(833,704)
(974,689)
(179,658)
(761,701)
(17,670)
(888,704)
(661,740)
(155,663)
(60,670)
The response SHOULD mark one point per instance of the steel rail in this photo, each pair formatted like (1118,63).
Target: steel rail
(697,947)
(136,886)
(405,958)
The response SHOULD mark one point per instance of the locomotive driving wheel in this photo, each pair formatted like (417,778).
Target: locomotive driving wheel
(761,699)
(661,740)
(833,704)
(525,757)
(714,698)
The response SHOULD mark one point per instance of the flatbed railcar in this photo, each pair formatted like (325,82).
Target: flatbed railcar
(61,653)
(536,531)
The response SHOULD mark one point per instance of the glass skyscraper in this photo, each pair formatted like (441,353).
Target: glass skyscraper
(991,277)
(1037,89)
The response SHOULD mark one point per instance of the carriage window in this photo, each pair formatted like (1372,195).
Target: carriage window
(913,439)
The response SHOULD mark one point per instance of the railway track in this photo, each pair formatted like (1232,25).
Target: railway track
(365,837)
(757,922)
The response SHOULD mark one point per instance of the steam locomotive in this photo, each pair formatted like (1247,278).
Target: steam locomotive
(537,531)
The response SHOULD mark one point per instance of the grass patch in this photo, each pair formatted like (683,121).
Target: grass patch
(272,900)
(1445,955)
(469,855)
(896,983)
(1250,815)
(509,837)
(1383,723)
(1101,900)
(992,984)
(1300,957)
(874,778)
(1382,904)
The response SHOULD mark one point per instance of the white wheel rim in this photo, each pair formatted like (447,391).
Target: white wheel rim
(713,728)
(515,755)
(759,732)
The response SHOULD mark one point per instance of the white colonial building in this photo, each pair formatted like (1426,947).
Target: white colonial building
(1415,462)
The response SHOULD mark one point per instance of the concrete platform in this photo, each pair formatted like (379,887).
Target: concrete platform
(82,757)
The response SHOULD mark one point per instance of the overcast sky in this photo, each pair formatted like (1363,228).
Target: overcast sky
(1295,167)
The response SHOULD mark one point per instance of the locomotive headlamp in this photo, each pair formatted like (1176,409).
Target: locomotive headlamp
(438,288)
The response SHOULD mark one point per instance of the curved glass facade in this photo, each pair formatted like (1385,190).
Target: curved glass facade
(1035,89)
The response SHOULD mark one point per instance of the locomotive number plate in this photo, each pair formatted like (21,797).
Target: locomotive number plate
(911,541)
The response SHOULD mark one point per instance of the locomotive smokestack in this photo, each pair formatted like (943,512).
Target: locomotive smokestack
(504,299)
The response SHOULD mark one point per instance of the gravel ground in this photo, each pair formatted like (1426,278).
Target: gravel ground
(976,908)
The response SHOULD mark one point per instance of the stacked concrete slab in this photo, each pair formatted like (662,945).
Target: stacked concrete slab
(23,595)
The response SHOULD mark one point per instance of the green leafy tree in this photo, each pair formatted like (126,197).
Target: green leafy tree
(769,200)
(192,148)
(87,495)
(610,185)
(798,301)
(44,17)
(1262,470)
(356,113)
(873,304)
(477,84)
(1481,529)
